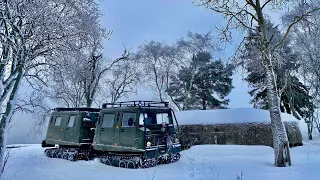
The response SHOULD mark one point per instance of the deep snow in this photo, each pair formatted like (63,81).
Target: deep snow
(205,162)
(223,162)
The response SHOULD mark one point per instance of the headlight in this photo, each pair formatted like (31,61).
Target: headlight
(177,140)
(148,144)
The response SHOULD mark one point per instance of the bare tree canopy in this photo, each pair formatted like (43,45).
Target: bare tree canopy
(123,80)
(305,34)
(35,36)
(158,60)
(76,82)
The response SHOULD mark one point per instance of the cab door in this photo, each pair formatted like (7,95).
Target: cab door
(69,133)
(107,128)
(128,129)
(55,131)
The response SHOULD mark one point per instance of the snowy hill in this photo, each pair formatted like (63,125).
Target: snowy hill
(206,162)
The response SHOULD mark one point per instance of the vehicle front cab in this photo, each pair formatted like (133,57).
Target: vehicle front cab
(137,127)
(160,129)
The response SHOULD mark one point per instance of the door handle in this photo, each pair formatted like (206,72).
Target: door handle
(122,130)
(102,129)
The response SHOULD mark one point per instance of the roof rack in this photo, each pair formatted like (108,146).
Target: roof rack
(59,109)
(136,104)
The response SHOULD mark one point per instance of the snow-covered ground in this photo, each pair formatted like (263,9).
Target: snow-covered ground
(207,162)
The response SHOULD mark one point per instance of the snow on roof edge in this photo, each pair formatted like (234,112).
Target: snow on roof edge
(228,116)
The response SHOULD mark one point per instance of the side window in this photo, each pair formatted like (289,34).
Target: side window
(141,118)
(57,122)
(71,121)
(128,119)
(108,120)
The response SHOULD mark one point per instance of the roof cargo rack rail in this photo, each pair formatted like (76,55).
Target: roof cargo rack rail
(59,109)
(136,104)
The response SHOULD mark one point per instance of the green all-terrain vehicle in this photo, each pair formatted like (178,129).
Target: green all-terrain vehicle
(126,134)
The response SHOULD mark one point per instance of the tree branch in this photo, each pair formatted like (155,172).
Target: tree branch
(265,4)
(298,19)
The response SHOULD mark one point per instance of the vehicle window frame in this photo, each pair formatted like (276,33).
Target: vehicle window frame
(141,123)
(111,124)
(143,114)
(74,120)
(126,124)
(55,120)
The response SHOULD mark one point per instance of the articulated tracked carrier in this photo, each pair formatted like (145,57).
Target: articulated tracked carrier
(133,134)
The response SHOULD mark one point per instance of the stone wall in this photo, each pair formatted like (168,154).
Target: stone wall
(239,134)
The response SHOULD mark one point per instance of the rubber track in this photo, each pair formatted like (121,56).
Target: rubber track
(131,161)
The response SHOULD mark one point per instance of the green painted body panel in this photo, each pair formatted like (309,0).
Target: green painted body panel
(65,135)
(122,138)
(119,137)
(120,130)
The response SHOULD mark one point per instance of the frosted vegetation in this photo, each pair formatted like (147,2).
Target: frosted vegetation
(55,48)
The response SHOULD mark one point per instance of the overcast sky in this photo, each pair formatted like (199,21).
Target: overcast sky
(135,21)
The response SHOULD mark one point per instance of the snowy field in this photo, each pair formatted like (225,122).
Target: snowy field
(207,162)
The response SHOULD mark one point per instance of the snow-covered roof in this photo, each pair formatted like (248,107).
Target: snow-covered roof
(228,116)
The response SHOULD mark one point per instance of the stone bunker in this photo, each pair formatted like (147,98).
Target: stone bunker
(233,126)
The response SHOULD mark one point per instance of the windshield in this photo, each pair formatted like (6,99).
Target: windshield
(155,118)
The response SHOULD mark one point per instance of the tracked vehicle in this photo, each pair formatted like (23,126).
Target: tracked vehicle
(134,134)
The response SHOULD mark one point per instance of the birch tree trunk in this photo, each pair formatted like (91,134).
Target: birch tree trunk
(280,139)
(6,117)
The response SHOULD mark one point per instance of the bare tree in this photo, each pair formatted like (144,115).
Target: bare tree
(159,61)
(306,35)
(76,77)
(37,104)
(76,82)
(34,34)
(123,79)
(246,14)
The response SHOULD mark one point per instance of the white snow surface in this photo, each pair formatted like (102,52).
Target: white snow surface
(203,162)
(227,116)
